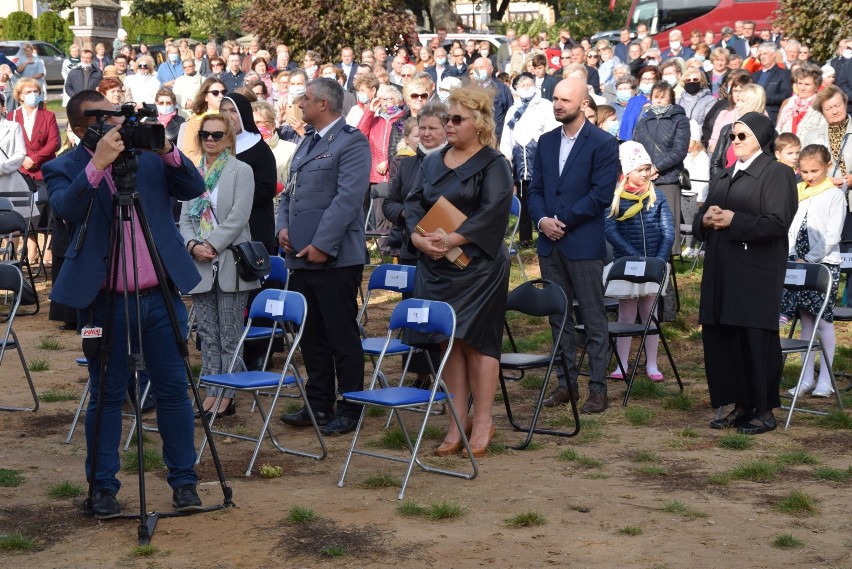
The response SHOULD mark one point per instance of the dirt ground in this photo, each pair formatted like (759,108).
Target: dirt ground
(647,486)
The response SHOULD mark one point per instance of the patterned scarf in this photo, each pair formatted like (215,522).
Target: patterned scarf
(635,195)
(835,143)
(660,110)
(806,191)
(793,113)
(201,209)
(520,112)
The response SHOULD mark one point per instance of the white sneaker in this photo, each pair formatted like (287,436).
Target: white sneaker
(688,253)
(823,389)
(806,388)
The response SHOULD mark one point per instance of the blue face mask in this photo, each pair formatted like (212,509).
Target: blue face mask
(32,99)
(623,96)
(613,128)
(165,109)
(173,57)
(646,88)
(481,75)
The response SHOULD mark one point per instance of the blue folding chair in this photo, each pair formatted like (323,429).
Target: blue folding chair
(514,249)
(422,316)
(12,281)
(282,307)
(278,275)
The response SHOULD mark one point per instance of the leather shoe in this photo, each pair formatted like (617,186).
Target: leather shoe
(185,499)
(764,425)
(732,419)
(104,504)
(301,418)
(340,425)
(562,395)
(596,403)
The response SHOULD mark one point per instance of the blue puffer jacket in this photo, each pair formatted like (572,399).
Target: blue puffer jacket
(522,160)
(626,237)
(666,138)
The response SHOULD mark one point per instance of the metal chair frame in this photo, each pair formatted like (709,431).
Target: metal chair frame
(12,280)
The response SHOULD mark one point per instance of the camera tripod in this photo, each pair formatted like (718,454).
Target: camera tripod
(126,211)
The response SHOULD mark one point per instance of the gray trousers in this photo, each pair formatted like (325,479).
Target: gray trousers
(220,324)
(583,280)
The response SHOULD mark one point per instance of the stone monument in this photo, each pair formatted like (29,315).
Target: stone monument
(96,21)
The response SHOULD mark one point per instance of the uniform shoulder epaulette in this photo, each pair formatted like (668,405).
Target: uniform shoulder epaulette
(349,128)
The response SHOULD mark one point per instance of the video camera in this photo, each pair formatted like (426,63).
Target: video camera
(137,135)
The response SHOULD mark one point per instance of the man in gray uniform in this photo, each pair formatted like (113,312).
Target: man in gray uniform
(321,228)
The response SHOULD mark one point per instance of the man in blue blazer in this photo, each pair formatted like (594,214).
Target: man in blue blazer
(80,187)
(574,175)
(774,80)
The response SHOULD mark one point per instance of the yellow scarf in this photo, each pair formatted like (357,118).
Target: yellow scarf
(806,191)
(635,208)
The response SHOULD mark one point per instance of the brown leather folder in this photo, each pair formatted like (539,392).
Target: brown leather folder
(444,217)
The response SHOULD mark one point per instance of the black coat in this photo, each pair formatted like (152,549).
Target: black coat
(262,219)
(745,263)
(719,159)
(407,168)
(778,89)
(666,139)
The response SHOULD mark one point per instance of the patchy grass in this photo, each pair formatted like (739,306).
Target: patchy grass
(689,433)
(301,515)
(833,474)
(679,402)
(16,542)
(755,471)
(677,507)
(39,364)
(638,416)
(381,480)
(435,511)
(65,489)
(644,388)
(151,460)
(50,343)
(798,503)
(735,441)
(57,395)
(719,479)
(653,470)
(145,550)
(787,541)
(570,455)
(645,456)
(533,382)
(592,431)
(412,509)
(796,457)
(333,551)
(631,530)
(391,439)
(374,412)
(835,420)
(10,478)
(526,520)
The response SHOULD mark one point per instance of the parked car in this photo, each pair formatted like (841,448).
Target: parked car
(51,55)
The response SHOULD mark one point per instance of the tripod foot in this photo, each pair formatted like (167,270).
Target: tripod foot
(146,528)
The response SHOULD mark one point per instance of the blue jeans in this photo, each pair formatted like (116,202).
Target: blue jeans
(168,383)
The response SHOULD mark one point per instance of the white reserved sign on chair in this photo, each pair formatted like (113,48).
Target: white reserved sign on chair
(418,315)
(275,307)
(634,268)
(846,260)
(396,279)
(795,277)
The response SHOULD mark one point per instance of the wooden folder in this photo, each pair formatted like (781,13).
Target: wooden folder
(444,218)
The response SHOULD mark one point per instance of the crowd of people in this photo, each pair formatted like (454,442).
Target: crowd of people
(609,151)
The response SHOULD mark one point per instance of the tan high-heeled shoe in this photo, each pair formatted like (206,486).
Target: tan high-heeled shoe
(479,452)
(449,449)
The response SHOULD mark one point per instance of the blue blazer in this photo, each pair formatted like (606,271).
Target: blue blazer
(85,270)
(579,196)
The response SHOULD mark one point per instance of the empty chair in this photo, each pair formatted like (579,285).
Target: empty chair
(514,248)
(12,281)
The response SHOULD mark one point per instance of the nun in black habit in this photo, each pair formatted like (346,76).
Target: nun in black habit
(744,224)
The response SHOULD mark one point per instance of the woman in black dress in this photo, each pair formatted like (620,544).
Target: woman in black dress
(477,179)
(744,224)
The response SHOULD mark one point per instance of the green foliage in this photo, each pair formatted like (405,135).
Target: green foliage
(324,25)
(787,541)
(631,530)
(19,26)
(756,471)
(219,17)
(145,550)
(644,388)
(680,402)
(586,18)
(39,364)
(676,507)
(65,489)
(151,460)
(798,503)
(49,342)
(50,27)
(301,515)
(645,456)
(653,470)
(835,420)
(56,395)
(526,520)
(16,542)
(736,441)
(638,416)
(139,26)
(818,23)
(382,480)
(163,10)
(434,511)
(833,474)
(58,5)
(411,509)
(10,478)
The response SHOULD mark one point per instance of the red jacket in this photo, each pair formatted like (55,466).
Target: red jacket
(45,141)
(378,129)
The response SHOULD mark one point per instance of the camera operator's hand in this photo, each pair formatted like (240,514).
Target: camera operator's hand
(108,149)
(166,149)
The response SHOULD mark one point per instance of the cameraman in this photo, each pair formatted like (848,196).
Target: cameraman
(80,187)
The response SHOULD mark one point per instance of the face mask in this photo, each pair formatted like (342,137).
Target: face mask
(526,94)
(392,110)
(443,96)
(296,91)
(623,96)
(480,75)
(613,128)
(646,88)
(173,57)
(651,62)
(86,65)
(32,99)
(847,53)
(440,61)
(670,79)
(362,98)
(264,132)
(165,109)
(191,74)
(754,52)
(692,88)
(484,52)
(311,70)
(675,45)
(700,58)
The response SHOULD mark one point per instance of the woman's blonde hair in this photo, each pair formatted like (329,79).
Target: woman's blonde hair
(752,99)
(619,187)
(479,102)
(229,131)
(24,82)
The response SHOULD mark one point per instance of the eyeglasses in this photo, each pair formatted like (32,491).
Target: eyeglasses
(216,64)
(592,56)
(404,75)
(738,135)
(206,134)
(696,80)
(455,119)
(141,66)
(217,92)
(565,57)
(421,96)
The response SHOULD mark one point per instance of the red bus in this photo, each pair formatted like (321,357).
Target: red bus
(662,16)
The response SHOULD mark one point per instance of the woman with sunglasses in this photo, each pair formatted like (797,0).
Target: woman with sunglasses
(476,179)
(744,224)
(210,224)
(142,86)
(695,97)
(208,99)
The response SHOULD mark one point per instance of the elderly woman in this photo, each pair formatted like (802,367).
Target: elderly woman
(207,100)
(209,225)
(751,99)
(13,151)
(264,118)
(609,89)
(664,132)
(720,57)
(744,225)
(476,179)
(695,98)
(366,87)
(807,80)
(261,67)
(167,114)
(142,86)
(829,124)
(113,90)
(377,124)
(526,121)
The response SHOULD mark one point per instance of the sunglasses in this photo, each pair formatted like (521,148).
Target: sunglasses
(217,92)
(741,135)
(565,57)
(206,134)
(591,56)
(693,81)
(142,66)
(406,75)
(216,64)
(455,119)
(421,96)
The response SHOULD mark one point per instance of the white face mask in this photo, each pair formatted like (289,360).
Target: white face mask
(362,98)
(670,79)
(528,93)
(847,53)
(295,92)
(481,75)
(443,95)
(311,70)
(440,61)
(675,45)
(484,52)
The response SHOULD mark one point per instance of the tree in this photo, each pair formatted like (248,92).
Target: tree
(51,28)
(58,5)
(816,23)
(19,26)
(327,26)
(163,10)
(143,28)
(219,17)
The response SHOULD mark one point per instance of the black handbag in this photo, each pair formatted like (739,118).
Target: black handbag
(684,180)
(251,259)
